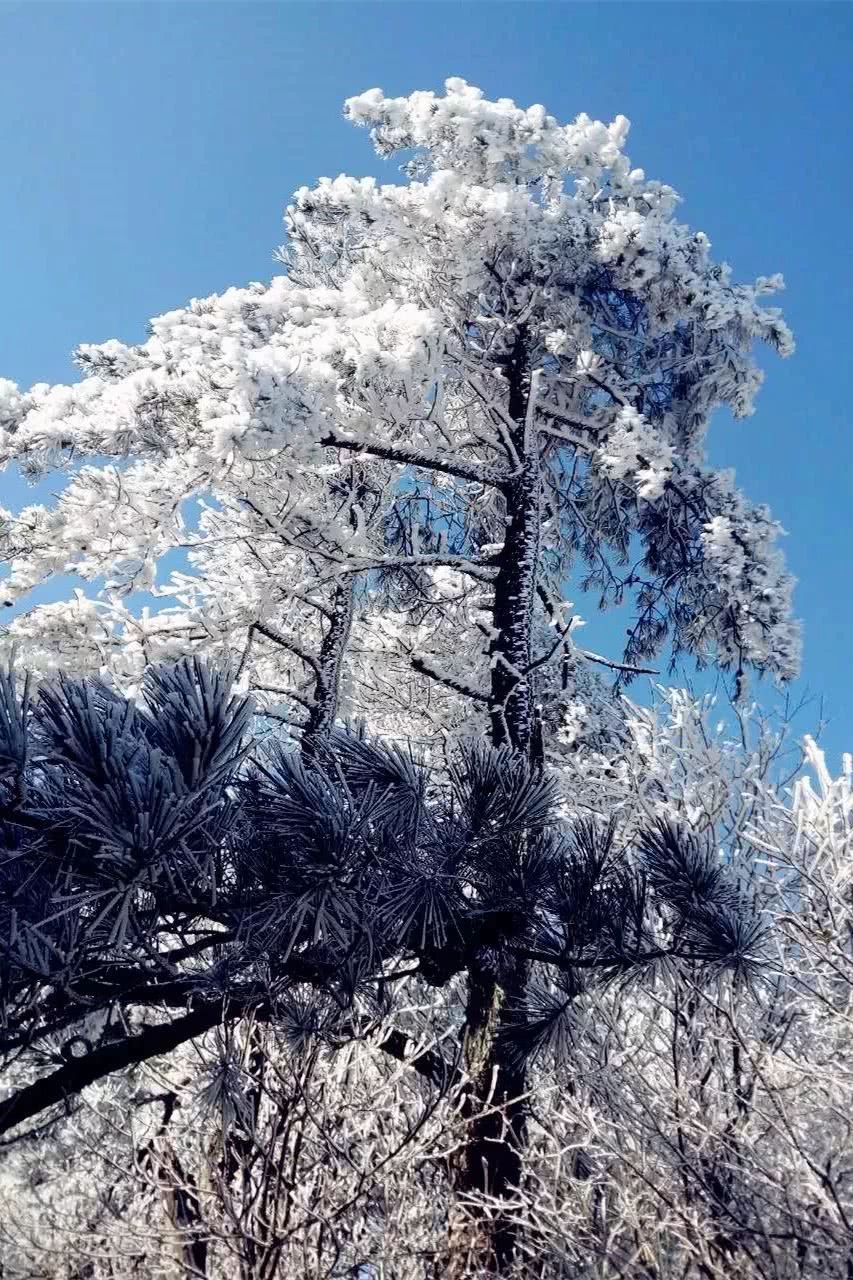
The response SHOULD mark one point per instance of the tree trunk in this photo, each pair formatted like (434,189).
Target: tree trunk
(182,1204)
(515,590)
(483,1241)
(186,1214)
(515,585)
(321,719)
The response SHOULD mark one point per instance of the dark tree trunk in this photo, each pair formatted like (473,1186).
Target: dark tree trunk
(180,1196)
(515,590)
(490,1160)
(185,1211)
(321,719)
(515,585)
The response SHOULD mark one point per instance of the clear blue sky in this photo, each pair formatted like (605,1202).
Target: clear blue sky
(147,151)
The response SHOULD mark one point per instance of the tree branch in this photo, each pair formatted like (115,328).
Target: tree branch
(546,657)
(278,638)
(162,1038)
(428,1063)
(424,669)
(77,1074)
(583,653)
(419,458)
(617,666)
(482,571)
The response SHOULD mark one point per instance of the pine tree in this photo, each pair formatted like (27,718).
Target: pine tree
(155,858)
(467,390)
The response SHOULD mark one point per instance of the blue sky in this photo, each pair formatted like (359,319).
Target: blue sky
(148,149)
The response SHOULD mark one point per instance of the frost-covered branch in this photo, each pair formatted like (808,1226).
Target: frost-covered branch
(450,682)
(426,459)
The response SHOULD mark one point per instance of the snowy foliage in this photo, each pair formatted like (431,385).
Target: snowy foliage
(524,305)
(347,844)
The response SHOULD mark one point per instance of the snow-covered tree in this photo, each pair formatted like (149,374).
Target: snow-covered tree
(521,334)
(467,392)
